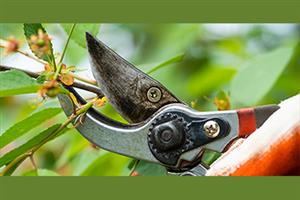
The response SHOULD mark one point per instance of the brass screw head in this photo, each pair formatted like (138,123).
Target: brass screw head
(211,129)
(154,94)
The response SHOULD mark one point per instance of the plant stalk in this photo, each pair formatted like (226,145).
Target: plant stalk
(90,88)
(58,70)
(92,82)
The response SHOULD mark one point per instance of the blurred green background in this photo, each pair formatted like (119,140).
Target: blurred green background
(253,64)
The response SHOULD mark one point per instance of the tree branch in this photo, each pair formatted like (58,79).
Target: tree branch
(76,84)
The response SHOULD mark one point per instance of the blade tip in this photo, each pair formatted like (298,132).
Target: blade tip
(88,35)
(89,38)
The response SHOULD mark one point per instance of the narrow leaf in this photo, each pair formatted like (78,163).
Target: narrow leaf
(40,45)
(8,157)
(11,170)
(172,60)
(144,168)
(258,75)
(14,82)
(27,124)
(78,35)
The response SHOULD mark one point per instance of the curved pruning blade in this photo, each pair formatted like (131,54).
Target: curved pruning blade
(125,86)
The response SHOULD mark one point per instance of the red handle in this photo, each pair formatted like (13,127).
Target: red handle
(252,118)
(247,121)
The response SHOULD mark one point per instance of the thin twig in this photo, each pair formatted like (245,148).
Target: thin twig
(6,68)
(67,43)
(90,88)
(57,72)
(32,57)
(13,163)
(32,161)
(92,82)
(27,55)
(72,117)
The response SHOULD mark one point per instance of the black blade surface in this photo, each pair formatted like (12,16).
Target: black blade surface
(124,85)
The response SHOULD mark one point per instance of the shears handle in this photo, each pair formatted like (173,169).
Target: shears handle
(252,118)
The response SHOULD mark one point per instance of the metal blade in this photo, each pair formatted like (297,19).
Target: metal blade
(128,140)
(134,94)
(262,113)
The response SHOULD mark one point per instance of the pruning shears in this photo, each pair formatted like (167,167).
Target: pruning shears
(162,129)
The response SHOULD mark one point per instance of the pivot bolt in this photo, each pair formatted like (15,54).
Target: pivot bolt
(166,135)
(154,94)
(211,129)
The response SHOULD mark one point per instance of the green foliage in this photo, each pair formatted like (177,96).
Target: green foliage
(150,169)
(209,157)
(41,172)
(101,163)
(258,75)
(203,63)
(15,82)
(22,127)
(8,157)
(209,79)
(33,29)
(15,165)
(79,32)
(46,172)
(172,60)
(11,29)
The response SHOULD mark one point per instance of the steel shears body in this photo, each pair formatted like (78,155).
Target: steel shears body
(162,128)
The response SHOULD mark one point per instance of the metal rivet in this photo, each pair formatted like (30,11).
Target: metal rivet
(211,129)
(154,94)
(166,135)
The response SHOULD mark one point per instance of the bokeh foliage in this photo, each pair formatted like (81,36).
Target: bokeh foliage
(254,65)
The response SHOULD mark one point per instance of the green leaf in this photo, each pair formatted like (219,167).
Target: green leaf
(75,146)
(258,75)
(172,60)
(208,79)
(41,172)
(41,79)
(145,168)
(8,157)
(30,173)
(102,163)
(11,170)
(14,82)
(32,29)
(46,172)
(79,32)
(27,124)
(50,103)
(209,157)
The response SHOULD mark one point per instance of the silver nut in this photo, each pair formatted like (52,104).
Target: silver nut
(154,94)
(211,129)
